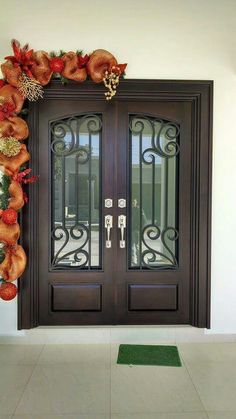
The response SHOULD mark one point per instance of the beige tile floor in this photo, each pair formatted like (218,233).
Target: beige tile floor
(84,382)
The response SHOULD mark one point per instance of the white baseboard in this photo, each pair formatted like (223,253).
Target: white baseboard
(116,334)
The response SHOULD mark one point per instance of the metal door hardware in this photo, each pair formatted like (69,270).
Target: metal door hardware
(108,227)
(122,226)
(121,203)
(108,203)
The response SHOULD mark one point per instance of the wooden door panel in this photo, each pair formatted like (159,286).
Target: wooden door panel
(78,297)
(154,297)
(117,285)
(66,292)
(160,289)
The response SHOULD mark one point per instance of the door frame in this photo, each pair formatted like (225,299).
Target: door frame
(200,96)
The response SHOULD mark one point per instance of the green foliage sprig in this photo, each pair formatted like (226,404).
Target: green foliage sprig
(4,186)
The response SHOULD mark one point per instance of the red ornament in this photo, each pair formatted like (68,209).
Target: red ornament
(9,216)
(57,65)
(6,110)
(2,83)
(8,291)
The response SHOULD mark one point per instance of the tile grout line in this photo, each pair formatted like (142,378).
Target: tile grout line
(35,365)
(182,359)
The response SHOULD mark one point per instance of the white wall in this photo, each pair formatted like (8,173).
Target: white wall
(163,39)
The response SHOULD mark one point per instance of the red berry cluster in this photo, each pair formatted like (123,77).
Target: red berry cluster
(9,216)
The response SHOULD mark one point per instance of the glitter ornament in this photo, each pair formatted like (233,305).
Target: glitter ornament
(9,146)
(9,216)
(8,291)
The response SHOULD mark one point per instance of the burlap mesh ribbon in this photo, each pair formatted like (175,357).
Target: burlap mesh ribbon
(14,263)
(71,70)
(16,200)
(12,95)
(100,61)
(14,127)
(11,73)
(41,67)
(9,234)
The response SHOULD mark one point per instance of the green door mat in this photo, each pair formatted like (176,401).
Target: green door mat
(149,355)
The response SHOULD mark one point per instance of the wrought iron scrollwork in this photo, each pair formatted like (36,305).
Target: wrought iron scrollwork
(71,236)
(152,258)
(80,255)
(156,141)
(66,135)
(164,137)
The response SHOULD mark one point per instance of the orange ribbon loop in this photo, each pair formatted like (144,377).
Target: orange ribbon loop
(14,127)
(100,61)
(12,96)
(71,70)
(14,263)
(9,233)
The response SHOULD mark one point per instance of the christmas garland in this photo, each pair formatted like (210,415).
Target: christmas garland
(25,73)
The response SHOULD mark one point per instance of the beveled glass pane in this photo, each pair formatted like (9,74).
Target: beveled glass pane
(153,229)
(76,190)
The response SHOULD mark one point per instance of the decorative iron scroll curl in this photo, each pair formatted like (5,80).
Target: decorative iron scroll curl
(76,232)
(164,136)
(66,133)
(151,258)
(66,141)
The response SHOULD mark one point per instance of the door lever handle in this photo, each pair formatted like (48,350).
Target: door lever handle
(122,226)
(108,227)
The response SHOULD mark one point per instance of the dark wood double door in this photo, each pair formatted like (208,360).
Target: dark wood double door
(114,211)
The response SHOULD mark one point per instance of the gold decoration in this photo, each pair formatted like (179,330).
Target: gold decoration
(2,99)
(9,146)
(30,89)
(111,81)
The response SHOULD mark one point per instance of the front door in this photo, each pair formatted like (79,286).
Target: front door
(115,211)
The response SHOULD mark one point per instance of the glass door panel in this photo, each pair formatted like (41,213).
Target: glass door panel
(153,213)
(76,238)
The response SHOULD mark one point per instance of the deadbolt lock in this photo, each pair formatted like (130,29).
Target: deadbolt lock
(121,203)
(108,203)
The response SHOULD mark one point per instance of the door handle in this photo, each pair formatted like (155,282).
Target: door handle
(108,227)
(122,226)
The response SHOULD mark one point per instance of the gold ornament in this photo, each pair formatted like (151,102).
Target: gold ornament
(30,89)
(9,146)
(111,81)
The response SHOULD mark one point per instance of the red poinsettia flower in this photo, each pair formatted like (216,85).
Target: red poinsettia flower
(20,177)
(83,60)
(57,64)
(119,68)
(22,57)
(6,110)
